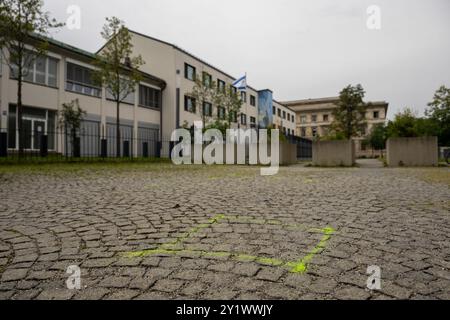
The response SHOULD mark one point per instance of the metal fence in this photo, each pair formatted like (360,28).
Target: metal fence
(87,142)
(304,148)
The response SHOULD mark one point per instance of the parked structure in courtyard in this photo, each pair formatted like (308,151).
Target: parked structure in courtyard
(315,116)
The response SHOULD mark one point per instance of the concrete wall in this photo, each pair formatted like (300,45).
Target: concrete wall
(288,153)
(422,151)
(334,153)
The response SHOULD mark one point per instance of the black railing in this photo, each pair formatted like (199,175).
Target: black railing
(68,144)
(304,147)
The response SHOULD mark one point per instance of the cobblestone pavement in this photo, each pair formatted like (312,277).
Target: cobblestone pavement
(224,233)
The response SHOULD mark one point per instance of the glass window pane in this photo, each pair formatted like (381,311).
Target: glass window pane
(52,72)
(41,65)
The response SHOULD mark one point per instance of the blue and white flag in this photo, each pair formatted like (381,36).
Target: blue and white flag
(241,83)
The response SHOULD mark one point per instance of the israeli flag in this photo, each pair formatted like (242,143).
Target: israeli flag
(241,83)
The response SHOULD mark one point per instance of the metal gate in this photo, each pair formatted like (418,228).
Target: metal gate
(304,148)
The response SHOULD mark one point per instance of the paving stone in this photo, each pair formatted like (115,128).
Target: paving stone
(56,294)
(14,274)
(115,282)
(246,269)
(167,285)
(270,274)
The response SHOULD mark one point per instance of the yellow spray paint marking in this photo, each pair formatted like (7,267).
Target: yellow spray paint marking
(300,266)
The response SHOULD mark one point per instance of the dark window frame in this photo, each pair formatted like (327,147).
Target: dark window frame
(186,73)
(194,104)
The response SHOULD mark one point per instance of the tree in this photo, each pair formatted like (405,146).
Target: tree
(229,99)
(439,111)
(377,138)
(349,116)
(117,71)
(19,20)
(407,124)
(403,125)
(70,118)
(204,92)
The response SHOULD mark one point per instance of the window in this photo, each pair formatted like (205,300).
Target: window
(303,132)
(42,70)
(244,96)
(284,114)
(233,90)
(207,109)
(376,114)
(289,132)
(79,79)
(128,99)
(252,120)
(243,119)
(221,113)
(279,113)
(289,117)
(207,79)
(252,100)
(325,118)
(189,72)
(314,118)
(233,116)
(189,104)
(149,97)
(274,111)
(293,118)
(302,119)
(221,86)
(314,131)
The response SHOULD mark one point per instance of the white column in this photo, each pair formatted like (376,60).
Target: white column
(135,122)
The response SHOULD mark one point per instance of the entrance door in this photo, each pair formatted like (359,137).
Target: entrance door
(33,129)
(38,131)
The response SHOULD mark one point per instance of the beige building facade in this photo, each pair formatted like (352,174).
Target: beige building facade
(315,116)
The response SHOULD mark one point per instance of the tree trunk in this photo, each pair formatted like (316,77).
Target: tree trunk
(118,130)
(19,112)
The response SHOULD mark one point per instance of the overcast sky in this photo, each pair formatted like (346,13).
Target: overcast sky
(299,49)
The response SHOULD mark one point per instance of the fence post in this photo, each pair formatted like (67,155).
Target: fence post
(3,144)
(158,149)
(126,149)
(171,146)
(145,149)
(44,146)
(103,148)
(77,147)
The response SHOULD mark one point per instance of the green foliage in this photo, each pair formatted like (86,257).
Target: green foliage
(203,91)
(220,125)
(377,138)
(230,100)
(71,115)
(19,19)
(407,124)
(439,112)
(349,116)
(117,70)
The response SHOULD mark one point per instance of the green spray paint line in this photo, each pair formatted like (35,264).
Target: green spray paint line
(301,266)
(192,231)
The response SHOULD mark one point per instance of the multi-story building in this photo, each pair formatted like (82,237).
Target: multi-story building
(62,76)
(180,68)
(315,116)
(160,103)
